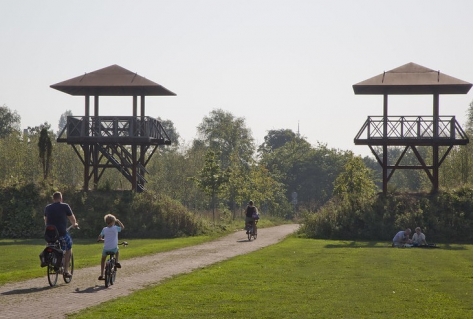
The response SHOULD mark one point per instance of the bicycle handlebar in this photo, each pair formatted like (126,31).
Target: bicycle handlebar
(72,226)
(124,243)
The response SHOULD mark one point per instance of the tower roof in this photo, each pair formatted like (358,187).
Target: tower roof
(111,81)
(412,78)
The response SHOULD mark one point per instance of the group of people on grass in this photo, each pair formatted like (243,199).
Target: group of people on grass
(58,213)
(402,238)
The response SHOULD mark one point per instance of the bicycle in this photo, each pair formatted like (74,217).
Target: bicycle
(250,230)
(110,267)
(52,256)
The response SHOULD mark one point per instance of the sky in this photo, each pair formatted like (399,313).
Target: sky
(280,64)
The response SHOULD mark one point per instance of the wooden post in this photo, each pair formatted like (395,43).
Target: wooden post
(134,147)
(385,148)
(435,144)
(85,148)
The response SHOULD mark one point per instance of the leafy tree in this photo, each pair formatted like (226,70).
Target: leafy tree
(45,148)
(276,139)
(9,121)
(355,184)
(63,120)
(308,171)
(211,178)
(169,128)
(226,134)
(36,130)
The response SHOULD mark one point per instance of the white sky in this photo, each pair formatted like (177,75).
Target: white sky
(276,63)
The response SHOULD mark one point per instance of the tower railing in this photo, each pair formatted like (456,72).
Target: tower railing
(405,130)
(114,129)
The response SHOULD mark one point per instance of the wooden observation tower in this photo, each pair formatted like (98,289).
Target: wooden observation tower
(440,133)
(122,142)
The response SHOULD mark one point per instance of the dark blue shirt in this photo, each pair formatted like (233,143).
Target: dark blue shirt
(56,214)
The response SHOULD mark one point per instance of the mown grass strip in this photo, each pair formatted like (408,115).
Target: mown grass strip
(20,259)
(303,278)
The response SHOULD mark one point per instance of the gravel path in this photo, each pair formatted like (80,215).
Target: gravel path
(35,299)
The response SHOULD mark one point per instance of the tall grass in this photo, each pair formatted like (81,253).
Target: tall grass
(304,278)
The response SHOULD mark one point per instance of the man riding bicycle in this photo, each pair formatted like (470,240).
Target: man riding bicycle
(250,216)
(57,214)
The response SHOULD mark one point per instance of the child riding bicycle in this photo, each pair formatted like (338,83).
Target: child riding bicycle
(109,235)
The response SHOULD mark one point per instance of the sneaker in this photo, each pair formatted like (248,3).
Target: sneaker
(67,275)
(101,278)
(117,265)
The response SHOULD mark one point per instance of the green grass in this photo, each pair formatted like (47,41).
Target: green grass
(20,259)
(303,278)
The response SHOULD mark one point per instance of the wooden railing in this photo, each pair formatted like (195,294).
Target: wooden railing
(412,129)
(113,129)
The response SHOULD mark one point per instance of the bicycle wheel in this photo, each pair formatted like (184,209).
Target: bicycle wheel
(71,269)
(255,236)
(52,274)
(112,276)
(108,273)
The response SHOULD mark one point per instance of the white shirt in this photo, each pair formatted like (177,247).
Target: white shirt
(418,239)
(110,235)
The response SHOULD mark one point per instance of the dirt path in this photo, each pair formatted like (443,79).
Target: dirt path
(34,298)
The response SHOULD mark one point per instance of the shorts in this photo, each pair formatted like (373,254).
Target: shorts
(66,242)
(105,251)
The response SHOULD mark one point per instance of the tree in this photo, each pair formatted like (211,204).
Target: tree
(355,185)
(211,179)
(226,134)
(276,139)
(169,128)
(36,130)
(63,120)
(9,121)
(45,150)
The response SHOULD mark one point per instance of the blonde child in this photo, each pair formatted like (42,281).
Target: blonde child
(109,235)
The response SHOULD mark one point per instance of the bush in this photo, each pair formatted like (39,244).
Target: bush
(443,217)
(144,215)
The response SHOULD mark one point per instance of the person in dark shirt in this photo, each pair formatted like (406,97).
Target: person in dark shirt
(250,214)
(57,214)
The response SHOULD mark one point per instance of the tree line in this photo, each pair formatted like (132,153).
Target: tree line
(222,168)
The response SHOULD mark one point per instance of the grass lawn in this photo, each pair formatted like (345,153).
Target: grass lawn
(20,259)
(304,278)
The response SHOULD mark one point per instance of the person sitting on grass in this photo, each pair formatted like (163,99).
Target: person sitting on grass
(401,238)
(418,238)
(109,235)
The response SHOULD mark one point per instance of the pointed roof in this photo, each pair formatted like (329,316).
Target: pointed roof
(111,81)
(412,78)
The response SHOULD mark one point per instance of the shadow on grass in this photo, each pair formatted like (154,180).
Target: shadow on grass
(354,244)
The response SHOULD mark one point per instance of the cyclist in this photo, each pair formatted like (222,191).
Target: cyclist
(251,214)
(109,235)
(57,214)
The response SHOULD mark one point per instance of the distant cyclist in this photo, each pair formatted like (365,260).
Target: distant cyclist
(251,215)
(57,214)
